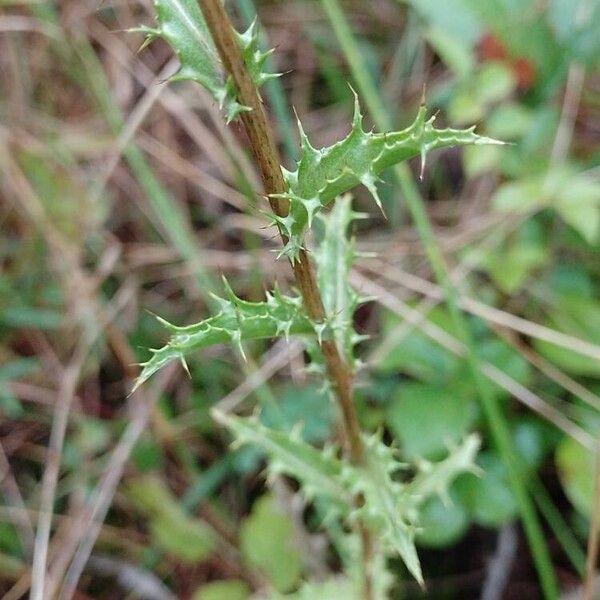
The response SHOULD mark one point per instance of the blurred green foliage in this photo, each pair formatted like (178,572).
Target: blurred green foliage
(501,63)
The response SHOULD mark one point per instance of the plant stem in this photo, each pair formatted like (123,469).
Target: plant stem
(267,158)
(557,524)
(493,413)
(268,161)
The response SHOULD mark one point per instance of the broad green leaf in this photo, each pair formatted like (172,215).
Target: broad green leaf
(568,279)
(561,15)
(425,418)
(238,320)
(509,121)
(532,440)
(267,544)
(418,355)
(488,497)
(322,175)
(578,203)
(586,416)
(189,539)
(508,360)
(493,82)
(519,196)
(181,24)
(465,107)
(441,523)
(518,26)
(578,316)
(306,405)
(514,261)
(510,266)
(149,495)
(575,196)
(231,589)
(454,17)
(458,56)
(478,160)
(568,360)
(334,258)
(576,470)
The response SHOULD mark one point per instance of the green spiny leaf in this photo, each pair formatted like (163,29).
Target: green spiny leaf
(236,321)
(334,258)
(181,24)
(324,174)
(389,507)
(317,471)
(386,510)
(435,478)
(254,58)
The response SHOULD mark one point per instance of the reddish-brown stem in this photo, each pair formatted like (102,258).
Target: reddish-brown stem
(268,161)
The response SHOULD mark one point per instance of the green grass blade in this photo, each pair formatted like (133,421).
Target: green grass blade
(556,522)
(496,420)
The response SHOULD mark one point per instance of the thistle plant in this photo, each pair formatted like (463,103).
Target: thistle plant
(361,484)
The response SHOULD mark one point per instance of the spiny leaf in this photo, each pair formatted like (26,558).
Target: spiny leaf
(435,478)
(386,510)
(322,175)
(317,471)
(181,24)
(388,506)
(334,258)
(236,321)
(254,58)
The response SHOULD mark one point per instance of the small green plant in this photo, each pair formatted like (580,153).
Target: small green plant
(361,485)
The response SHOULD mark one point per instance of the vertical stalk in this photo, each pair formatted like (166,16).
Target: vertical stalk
(268,161)
(492,411)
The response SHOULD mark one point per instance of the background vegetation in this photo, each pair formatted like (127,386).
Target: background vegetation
(123,197)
